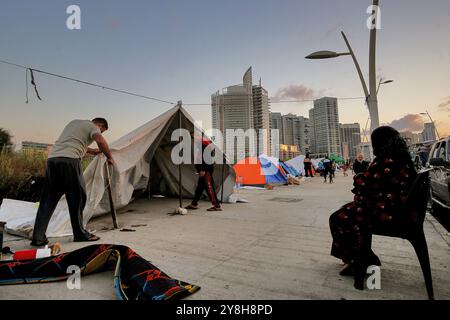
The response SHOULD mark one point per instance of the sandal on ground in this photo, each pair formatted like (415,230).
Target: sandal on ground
(191,207)
(214,209)
(91,237)
(35,243)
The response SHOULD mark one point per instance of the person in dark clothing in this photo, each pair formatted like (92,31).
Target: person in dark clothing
(380,194)
(333,168)
(205,182)
(360,165)
(64,176)
(327,169)
(308,166)
(423,156)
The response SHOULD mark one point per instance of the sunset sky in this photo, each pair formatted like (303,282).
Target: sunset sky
(186,50)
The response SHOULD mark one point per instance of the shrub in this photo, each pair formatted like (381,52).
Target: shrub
(22,174)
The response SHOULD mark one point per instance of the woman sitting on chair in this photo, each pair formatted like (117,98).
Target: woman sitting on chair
(380,192)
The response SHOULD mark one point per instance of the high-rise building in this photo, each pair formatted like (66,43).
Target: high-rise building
(312,132)
(261,119)
(350,139)
(324,119)
(293,130)
(304,126)
(275,121)
(416,138)
(429,132)
(244,106)
(410,137)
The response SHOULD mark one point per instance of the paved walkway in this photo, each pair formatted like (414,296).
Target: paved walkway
(274,247)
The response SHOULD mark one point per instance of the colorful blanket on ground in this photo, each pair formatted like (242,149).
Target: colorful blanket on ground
(134,277)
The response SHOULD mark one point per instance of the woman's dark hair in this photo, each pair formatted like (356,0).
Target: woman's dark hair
(307,155)
(387,143)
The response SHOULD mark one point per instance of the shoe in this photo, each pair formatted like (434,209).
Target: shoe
(191,207)
(35,243)
(92,237)
(214,209)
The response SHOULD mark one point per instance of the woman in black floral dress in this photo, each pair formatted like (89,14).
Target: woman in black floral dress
(380,192)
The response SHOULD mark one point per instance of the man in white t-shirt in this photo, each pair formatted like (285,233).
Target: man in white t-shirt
(64,176)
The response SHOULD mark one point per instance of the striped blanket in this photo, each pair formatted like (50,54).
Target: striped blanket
(134,277)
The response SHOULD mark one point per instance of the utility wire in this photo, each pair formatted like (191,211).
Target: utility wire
(85,82)
(152,98)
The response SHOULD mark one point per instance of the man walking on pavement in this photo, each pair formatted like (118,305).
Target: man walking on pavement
(64,176)
(205,180)
(327,169)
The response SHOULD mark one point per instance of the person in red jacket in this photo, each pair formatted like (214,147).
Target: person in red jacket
(205,180)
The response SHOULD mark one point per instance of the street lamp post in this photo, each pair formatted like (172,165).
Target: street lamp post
(371,92)
(383,82)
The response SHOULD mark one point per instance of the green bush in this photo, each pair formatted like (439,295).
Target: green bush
(21,175)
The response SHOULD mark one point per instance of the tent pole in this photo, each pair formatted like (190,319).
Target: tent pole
(111,201)
(179,166)
(224,161)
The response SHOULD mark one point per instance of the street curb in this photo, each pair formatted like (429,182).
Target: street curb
(439,228)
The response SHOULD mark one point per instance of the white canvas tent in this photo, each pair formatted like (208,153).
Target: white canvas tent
(143,160)
(298,164)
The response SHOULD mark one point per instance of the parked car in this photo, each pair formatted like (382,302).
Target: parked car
(439,159)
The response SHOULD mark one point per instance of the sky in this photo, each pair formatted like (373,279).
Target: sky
(186,50)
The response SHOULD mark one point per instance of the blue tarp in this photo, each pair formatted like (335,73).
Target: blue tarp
(271,170)
(288,169)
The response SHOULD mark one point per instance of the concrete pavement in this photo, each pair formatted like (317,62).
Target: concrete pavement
(274,247)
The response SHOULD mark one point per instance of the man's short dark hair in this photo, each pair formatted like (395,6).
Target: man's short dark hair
(101,121)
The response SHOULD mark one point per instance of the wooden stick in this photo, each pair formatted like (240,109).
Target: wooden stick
(179,166)
(111,201)
(223,169)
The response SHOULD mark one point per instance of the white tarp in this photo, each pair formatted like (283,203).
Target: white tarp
(297,164)
(139,154)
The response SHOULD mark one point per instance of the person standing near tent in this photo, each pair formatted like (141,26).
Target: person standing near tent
(333,169)
(205,180)
(307,164)
(360,164)
(64,176)
(327,169)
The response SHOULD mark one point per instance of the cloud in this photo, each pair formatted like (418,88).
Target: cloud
(445,105)
(294,92)
(410,122)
